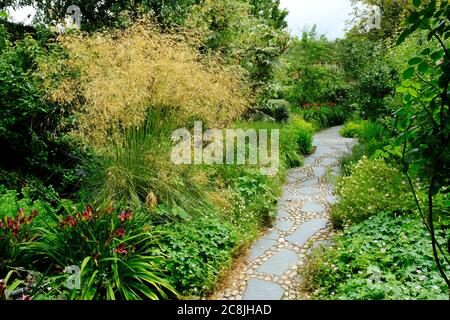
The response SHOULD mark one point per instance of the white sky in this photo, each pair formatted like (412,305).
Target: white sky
(328,15)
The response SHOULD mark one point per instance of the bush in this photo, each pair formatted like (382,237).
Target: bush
(324,116)
(373,186)
(198,251)
(385,257)
(353,129)
(31,139)
(372,137)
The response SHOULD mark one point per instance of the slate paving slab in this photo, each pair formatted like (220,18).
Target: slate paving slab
(312,207)
(279,263)
(262,290)
(261,247)
(308,190)
(306,231)
(284,225)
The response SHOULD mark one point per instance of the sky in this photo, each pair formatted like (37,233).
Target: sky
(328,15)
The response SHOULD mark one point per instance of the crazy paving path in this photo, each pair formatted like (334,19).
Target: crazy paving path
(302,224)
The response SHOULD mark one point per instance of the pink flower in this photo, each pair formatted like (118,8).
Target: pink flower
(124,216)
(70,221)
(120,232)
(87,213)
(121,249)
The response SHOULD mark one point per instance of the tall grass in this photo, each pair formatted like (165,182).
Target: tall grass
(138,170)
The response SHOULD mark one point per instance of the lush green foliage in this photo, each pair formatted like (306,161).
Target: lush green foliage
(373,186)
(32,143)
(198,252)
(387,257)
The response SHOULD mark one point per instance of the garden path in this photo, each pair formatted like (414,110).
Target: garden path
(302,224)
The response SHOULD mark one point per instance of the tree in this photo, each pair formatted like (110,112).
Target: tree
(424,121)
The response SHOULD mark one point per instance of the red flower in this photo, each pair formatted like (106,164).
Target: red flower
(24,297)
(33,215)
(70,221)
(87,213)
(2,225)
(10,222)
(120,232)
(124,216)
(121,249)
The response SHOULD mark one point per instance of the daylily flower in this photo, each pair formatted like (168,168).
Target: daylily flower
(70,221)
(120,232)
(124,216)
(24,297)
(121,249)
(87,213)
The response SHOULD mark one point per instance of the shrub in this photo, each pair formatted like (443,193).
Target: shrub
(31,140)
(353,129)
(373,186)
(372,137)
(385,257)
(324,116)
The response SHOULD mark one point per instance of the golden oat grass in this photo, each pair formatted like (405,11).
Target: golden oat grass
(120,74)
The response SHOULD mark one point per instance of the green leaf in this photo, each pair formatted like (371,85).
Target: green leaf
(426,52)
(417,3)
(414,61)
(408,74)
(423,67)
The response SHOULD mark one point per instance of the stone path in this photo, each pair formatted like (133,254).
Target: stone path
(302,224)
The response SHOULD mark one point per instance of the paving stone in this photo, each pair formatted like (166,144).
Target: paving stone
(306,231)
(282,213)
(318,171)
(273,235)
(284,225)
(312,207)
(297,175)
(328,161)
(310,182)
(308,190)
(309,161)
(262,290)
(279,263)
(260,247)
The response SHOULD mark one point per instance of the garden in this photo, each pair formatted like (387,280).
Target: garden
(92,207)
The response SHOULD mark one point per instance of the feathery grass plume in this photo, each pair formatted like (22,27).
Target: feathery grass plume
(118,75)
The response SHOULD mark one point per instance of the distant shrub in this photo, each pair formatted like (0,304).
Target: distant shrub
(372,136)
(324,116)
(373,186)
(353,129)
